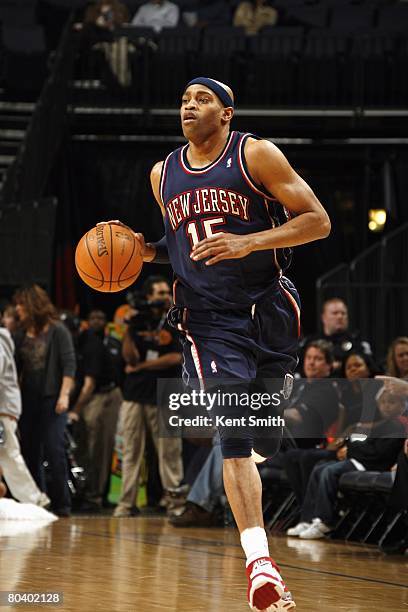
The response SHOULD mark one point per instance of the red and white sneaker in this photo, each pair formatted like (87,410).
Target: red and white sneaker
(266,589)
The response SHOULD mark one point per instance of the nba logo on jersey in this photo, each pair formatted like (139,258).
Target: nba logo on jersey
(229,162)
(214,367)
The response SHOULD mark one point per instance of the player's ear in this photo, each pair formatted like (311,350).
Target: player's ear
(227,113)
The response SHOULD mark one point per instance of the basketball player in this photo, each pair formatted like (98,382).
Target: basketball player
(221,195)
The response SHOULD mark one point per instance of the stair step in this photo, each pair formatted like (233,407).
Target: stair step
(9,148)
(11,134)
(17,107)
(6,160)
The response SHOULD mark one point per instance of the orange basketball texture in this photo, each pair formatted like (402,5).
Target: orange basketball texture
(108,258)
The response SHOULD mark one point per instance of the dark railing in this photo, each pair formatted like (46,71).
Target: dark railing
(28,174)
(286,67)
(375,287)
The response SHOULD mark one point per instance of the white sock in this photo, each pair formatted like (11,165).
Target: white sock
(255,543)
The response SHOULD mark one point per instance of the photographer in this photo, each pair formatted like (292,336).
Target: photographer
(151,351)
(97,401)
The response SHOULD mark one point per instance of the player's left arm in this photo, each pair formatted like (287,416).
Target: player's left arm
(269,167)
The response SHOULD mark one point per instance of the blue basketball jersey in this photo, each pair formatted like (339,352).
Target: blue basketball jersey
(222,197)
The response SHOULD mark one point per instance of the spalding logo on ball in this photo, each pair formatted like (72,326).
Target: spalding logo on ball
(108,258)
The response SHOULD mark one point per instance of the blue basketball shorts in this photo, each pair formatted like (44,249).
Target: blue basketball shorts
(244,347)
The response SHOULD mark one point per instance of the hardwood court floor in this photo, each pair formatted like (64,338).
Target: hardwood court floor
(143,564)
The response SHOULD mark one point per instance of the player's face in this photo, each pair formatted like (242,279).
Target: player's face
(356,367)
(201,112)
(335,318)
(315,364)
(401,359)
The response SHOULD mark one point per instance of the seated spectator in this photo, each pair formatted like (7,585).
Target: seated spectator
(397,358)
(157,14)
(314,404)
(335,323)
(378,452)
(253,15)
(357,369)
(46,364)
(98,400)
(107,14)
(395,385)
(299,463)
(12,464)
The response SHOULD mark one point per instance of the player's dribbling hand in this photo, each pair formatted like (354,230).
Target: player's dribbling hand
(144,249)
(221,246)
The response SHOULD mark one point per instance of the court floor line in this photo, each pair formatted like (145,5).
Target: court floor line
(154,542)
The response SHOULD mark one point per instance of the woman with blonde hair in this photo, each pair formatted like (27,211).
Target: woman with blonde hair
(46,364)
(397,358)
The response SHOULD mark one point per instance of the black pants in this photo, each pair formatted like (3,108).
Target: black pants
(399,494)
(42,437)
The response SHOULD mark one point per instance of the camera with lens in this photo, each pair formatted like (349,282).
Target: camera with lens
(145,311)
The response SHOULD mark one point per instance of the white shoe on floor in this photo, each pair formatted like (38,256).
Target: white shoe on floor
(297,530)
(317,530)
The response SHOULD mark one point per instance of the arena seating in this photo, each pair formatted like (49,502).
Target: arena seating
(364,511)
(323,53)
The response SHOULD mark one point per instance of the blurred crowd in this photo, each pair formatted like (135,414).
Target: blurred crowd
(252,15)
(78,401)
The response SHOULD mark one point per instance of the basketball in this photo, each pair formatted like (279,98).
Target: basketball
(108,258)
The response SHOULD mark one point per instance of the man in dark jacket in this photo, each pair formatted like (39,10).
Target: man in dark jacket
(335,329)
(377,452)
(97,401)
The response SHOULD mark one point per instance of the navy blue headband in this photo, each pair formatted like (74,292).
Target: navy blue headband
(215,87)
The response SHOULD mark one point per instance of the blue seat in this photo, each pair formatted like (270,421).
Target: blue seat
(178,41)
(312,16)
(358,481)
(173,64)
(277,42)
(325,78)
(223,41)
(352,18)
(394,18)
(384,482)
(374,54)
(272,73)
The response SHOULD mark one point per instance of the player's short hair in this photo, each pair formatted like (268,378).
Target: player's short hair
(325,347)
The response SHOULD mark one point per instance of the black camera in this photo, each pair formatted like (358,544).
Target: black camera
(145,311)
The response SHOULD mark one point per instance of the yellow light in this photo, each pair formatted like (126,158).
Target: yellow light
(377,218)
